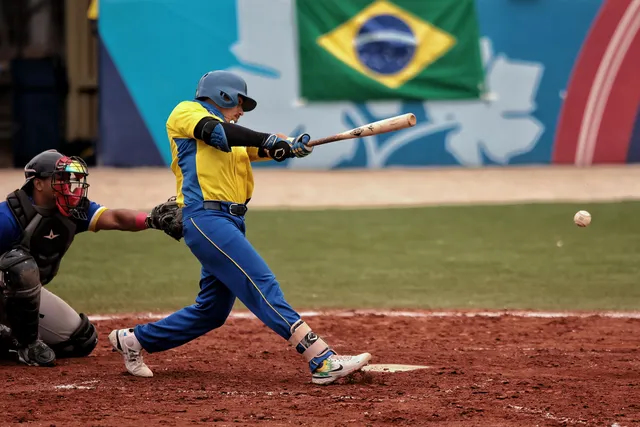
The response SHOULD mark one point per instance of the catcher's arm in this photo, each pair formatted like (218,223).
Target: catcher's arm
(122,219)
(166,216)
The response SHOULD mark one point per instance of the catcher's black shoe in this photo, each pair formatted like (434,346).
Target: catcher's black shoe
(7,343)
(36,354)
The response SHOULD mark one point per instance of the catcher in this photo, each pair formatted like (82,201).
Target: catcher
(38,223)
(212,158)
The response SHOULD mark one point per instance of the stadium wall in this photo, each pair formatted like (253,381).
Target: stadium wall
(561,78)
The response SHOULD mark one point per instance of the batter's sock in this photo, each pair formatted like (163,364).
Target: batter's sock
(317,361)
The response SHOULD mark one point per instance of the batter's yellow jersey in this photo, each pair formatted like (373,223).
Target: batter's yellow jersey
(202,171)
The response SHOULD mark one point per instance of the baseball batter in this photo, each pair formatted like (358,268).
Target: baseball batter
(212,163)
(38,223)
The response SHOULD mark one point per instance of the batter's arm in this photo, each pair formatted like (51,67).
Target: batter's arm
(184,120)
(257,155)
(260,153)
(191,120)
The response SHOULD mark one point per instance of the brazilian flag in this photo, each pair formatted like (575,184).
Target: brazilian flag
(361,50)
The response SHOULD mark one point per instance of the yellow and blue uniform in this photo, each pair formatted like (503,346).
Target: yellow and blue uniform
(231,267)
(202,171)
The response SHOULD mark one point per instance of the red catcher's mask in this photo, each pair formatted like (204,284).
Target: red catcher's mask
(69,183)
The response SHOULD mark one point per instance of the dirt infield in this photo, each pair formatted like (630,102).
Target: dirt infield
(500,371)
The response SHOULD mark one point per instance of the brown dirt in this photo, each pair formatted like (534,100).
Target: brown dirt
(503,371)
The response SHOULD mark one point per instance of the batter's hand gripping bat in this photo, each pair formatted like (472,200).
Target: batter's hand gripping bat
(382,126)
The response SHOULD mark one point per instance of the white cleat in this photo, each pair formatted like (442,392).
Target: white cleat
(125,343)
(336,367)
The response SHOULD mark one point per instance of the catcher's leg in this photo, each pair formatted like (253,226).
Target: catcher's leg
(21,289)
(221,246)
(68,333)
(7,342)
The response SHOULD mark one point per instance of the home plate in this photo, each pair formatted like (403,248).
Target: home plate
(390,367)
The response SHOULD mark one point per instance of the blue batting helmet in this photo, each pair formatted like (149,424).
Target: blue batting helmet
(224,88)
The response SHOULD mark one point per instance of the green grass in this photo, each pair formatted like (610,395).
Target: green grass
(431,258)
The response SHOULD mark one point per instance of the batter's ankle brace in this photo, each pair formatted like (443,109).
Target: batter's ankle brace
(307,342)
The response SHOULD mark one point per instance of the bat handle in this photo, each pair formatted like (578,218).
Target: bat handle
(320,141)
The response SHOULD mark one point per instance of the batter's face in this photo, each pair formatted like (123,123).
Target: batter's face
(233,114)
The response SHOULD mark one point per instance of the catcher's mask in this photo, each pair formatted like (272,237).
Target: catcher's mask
(68,181)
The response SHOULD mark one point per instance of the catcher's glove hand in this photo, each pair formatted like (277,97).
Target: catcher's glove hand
(167,217)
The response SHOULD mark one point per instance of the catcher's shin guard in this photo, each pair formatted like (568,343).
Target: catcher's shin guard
(21,291)
(81,342)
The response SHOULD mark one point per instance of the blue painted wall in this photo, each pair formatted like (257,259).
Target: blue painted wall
(159,49)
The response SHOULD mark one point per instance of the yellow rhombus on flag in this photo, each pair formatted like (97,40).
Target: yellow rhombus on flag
(431,43)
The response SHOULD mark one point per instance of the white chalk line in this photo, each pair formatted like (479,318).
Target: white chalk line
(85,385)
(394,313)
(392,367)
(547,415)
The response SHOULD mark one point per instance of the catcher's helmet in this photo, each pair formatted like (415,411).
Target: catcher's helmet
(224,88)
(68,180)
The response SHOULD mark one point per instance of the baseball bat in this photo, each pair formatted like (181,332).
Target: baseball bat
(381,126)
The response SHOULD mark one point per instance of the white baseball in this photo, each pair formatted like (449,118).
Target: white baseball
(582,218)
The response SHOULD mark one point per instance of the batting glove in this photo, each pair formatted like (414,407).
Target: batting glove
(299,147)
(277,148)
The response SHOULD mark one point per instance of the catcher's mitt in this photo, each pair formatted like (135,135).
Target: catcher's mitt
(167,217)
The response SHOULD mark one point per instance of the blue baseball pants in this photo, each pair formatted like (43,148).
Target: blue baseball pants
(231,268)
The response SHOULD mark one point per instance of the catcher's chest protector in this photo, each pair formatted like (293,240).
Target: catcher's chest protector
(46,234)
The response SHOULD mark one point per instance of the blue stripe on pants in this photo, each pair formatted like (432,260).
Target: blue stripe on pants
(218,240)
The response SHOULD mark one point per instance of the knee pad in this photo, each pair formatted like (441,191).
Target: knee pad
(21,289)
(21,275)
(81,343)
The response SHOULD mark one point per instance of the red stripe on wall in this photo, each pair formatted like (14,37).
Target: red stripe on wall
(582,78)
(619,116)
